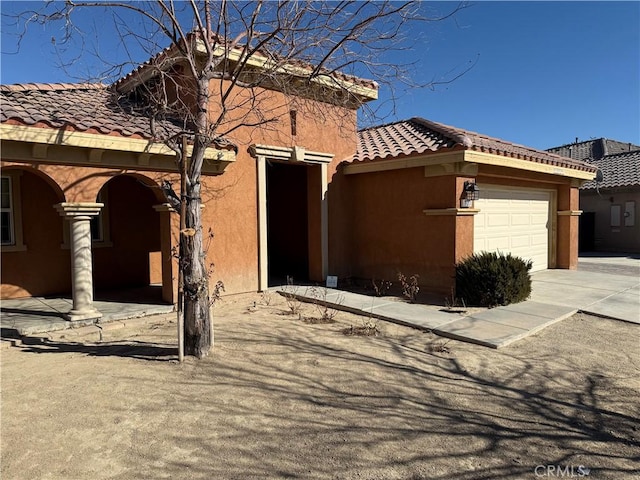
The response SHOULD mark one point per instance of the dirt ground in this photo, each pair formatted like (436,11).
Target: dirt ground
(284,397)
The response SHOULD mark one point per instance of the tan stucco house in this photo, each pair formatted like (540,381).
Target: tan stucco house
(82,207)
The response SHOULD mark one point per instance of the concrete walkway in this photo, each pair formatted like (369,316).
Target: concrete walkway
(604,285)
(556,295)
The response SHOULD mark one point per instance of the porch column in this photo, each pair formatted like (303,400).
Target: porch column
(263,266)
(567,238)
(79,216)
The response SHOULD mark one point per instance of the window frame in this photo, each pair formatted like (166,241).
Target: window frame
(8,209)
(15,212)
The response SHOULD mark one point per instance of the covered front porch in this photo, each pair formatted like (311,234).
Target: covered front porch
(34,315)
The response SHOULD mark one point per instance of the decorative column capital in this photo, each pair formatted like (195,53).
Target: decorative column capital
(80,209)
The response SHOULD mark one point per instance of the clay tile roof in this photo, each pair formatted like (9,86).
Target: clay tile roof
(418,136)
(619,170)
(594,149)
(80,107)
(163,59)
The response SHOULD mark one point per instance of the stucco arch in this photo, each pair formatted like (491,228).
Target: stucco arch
(8,169)
(38,237)
(130,250)
(145,180)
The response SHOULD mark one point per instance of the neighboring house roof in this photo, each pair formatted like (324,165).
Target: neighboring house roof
(91,108)
(619,170)
(593,149)
(417,136)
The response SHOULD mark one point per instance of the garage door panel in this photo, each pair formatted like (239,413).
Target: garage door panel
(520,241)
(497,244)
(513,221)
(522,219)
(539,239)
(498,220)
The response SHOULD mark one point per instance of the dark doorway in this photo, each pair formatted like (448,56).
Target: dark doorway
(287,223)
(587,232)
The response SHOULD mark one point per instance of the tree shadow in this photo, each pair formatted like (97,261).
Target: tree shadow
(487,424)
(293,400)
(127,349)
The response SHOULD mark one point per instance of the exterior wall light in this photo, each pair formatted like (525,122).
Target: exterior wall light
(470,193)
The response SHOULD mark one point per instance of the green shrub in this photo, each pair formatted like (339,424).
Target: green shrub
(492,279)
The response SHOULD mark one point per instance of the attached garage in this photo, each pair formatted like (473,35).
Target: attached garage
(514,221)
(414,209)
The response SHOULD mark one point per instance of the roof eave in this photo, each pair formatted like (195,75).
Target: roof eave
(469,156)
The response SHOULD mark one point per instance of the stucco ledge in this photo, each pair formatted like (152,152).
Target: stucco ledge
(451,211)
(569,213)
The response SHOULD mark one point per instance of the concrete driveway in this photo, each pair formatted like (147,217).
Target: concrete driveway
(605,294)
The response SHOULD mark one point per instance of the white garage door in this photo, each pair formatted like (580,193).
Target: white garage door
(513,221)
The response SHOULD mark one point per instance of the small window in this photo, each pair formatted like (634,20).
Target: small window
(7,234)
(96,229)
(294,122)
(615,215)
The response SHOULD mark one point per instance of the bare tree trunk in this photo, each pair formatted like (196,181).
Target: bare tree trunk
(197,321)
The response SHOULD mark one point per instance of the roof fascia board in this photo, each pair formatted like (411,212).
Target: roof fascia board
(50,136)
(519,164)
(400,163)
(266,64)
(467,156)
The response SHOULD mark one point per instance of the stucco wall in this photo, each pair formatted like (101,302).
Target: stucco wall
(390,233)
(608,238)
(230,201)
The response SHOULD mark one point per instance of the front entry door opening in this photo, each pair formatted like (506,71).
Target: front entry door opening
(287,222)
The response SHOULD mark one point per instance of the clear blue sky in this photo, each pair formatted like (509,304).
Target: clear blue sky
(546,72)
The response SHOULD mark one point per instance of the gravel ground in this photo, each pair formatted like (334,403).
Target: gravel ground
(284,396)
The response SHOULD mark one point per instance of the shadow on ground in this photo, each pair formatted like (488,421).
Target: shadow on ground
(285,399)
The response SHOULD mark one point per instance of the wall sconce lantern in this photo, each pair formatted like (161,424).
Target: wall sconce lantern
(470,193)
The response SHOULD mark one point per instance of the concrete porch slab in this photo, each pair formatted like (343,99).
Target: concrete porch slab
(30,316)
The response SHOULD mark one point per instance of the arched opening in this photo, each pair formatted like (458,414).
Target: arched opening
(34,260)
(127,248)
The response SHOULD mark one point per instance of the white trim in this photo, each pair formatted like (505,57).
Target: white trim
(466,156)
(324,220)
(99,142)
(569,213)
(290,154)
